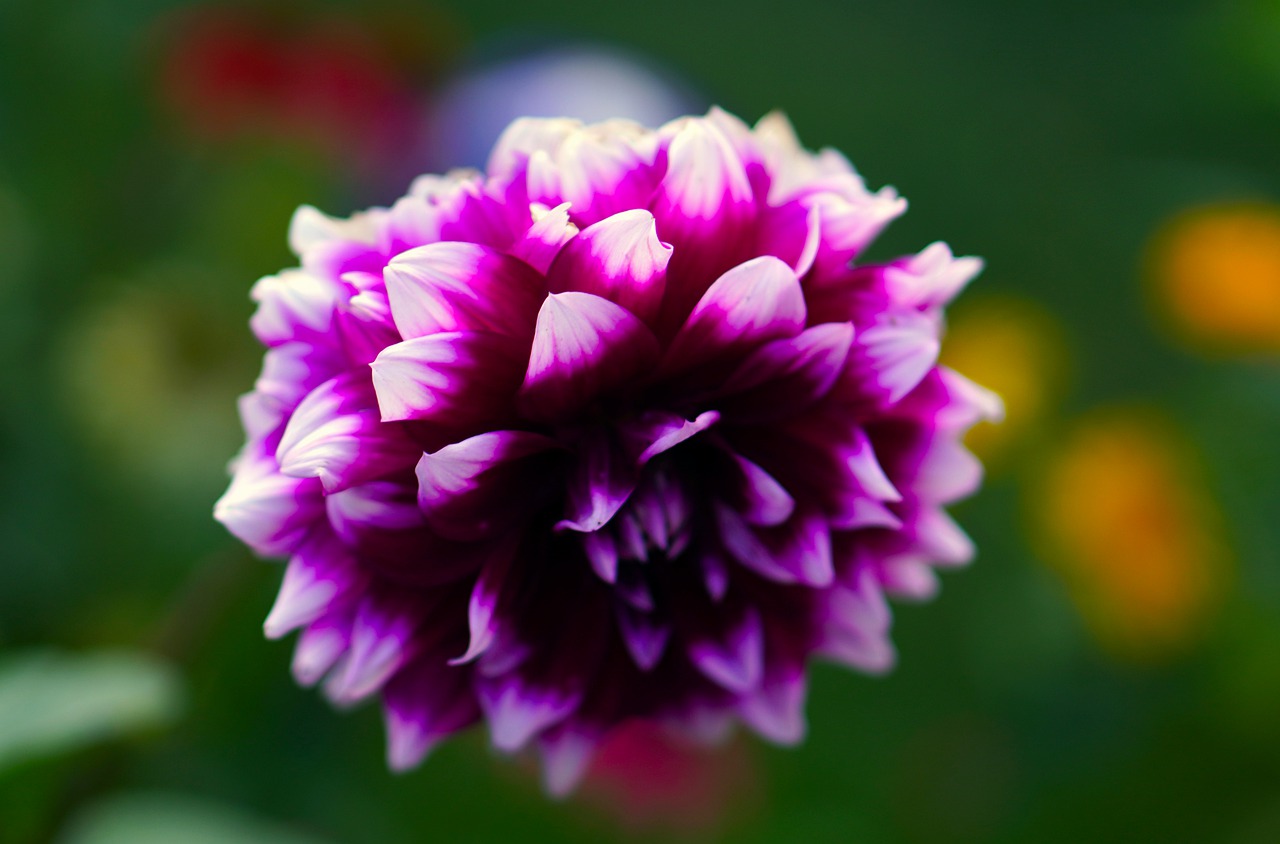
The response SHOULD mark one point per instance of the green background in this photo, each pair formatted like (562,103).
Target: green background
(138,700)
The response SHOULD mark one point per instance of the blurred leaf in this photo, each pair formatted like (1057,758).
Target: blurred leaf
(52,702)
(164,819)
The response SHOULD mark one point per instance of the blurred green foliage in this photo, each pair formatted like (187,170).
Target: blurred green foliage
(1052,138)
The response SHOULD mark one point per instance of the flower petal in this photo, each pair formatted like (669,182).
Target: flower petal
(449,286)
(457,379)
(470,488)
(424,703)
(583,345)
(619,258)
(320,576)
(754,302)
(336,435)
(730,651)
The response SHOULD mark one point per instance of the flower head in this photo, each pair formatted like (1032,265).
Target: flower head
(615,430)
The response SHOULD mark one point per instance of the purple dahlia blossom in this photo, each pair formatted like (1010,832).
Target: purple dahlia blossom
(616,429)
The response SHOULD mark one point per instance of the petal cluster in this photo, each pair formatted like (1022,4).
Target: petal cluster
(618,429)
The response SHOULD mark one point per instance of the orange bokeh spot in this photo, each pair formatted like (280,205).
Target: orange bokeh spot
(1015,349)
(1133,534)
(1215,274)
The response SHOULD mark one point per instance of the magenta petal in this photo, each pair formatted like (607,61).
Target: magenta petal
(546,237)
(319,577)
(792,232)
(444,287)
(644,634)
(425,702)
(267,510)
(703,207)
(470,488)
(600,170)
(336,434)
(517,711)
(599,483)
(752,303)
(294,306)
(582,344)
(784,377)
(856,625)
(658,431)
(483,606)
(798,551)
(381,642)
(566,756)
(457,379)
(620,259)
(321,646)
(732,656)
(602,553)
(776,708)
(764,501)
(892,357)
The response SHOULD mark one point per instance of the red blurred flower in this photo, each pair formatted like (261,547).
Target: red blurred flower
(335,85)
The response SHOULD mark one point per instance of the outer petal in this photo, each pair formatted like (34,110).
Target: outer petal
(704,208)
(336,435)
(320,577)
(456,379)
(294,306)
(267,510)
(461,287)
(424,703)
(599,170)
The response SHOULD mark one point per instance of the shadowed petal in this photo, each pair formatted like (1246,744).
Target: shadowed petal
(754,302)
(601,480)
(468,489)
(644,634)
(620,259)
(798,551)
(583,345)
(785,377)
(424,703)
(730,650)
(457,378)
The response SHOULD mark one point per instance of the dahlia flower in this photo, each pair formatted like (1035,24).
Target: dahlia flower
(616,429)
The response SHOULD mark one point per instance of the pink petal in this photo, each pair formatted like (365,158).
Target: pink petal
(319,577)
(754,302)
(583,345)
(619,258)
(731,654)
(424,703)
(546,236)
(454,378)
(444,287)
(336,435)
